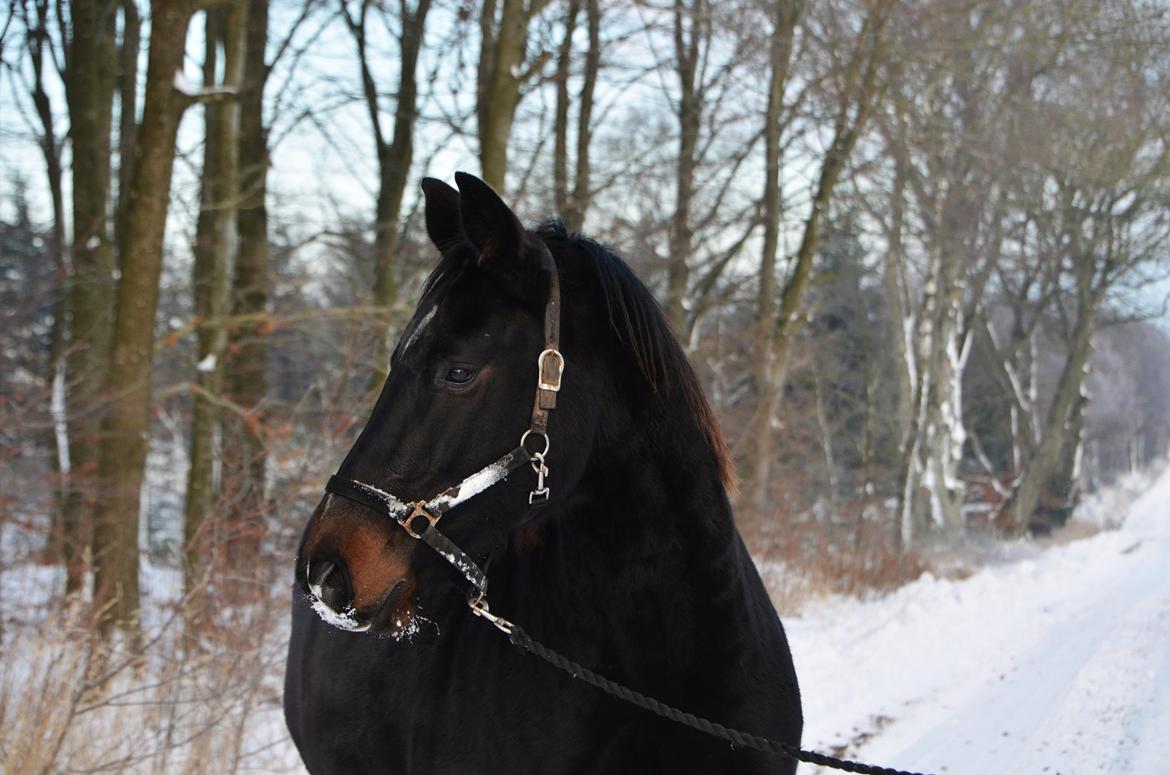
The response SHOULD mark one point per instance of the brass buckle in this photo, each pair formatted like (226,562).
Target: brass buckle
(418,511)
(555,384)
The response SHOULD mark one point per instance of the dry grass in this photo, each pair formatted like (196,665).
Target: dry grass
(186,700)
(810,560)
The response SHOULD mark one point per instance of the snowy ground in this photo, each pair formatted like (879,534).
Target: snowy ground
(1052,660)
(1059,663)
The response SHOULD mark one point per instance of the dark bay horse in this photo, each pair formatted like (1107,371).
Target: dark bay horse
(629,562)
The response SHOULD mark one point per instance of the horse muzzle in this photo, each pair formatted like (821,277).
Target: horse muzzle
(355,570)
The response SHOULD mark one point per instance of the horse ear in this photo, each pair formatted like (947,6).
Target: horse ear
(492,227)
(442,214)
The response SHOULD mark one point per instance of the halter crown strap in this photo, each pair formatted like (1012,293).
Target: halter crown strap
(550,364)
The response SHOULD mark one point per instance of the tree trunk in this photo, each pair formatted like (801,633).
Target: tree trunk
(394,160)
(582,195)
(561,112)
(211,281)
(500,74)
(127,111)
(899,317)
(246,456)
(1064,485)
(931,492)
(196,545)
(37,31)
(687,39)
(859,97)
(572,197)
(780,56)
(394,167)
(89,90)
(126,422)
(1040,469)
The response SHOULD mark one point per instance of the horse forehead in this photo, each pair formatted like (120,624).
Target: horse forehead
(416,329)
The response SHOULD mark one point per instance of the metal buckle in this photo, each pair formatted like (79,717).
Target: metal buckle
(554,385)
(479,607)
(418,511)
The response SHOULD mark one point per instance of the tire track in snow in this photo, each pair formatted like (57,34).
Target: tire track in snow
(1059,664)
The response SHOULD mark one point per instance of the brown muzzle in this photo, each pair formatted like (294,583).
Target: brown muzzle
(354,566)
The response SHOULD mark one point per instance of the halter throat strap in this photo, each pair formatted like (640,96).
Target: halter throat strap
(420,518)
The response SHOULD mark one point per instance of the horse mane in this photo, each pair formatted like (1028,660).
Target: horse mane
(636,319)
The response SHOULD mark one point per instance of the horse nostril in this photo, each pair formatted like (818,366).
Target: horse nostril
(329,583)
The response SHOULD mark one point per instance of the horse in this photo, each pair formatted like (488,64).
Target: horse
(607,532)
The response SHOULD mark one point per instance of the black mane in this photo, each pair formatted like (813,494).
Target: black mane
(637,320)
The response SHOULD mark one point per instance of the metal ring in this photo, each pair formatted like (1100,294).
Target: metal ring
(417,513)
(528,433)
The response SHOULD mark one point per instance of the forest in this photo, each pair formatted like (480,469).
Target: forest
(918,253)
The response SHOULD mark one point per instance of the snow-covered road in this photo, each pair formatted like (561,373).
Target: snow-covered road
(1055,664)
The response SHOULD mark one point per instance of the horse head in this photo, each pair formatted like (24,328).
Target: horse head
(459,395)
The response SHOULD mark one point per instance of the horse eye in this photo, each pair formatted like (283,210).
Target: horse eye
(457,375)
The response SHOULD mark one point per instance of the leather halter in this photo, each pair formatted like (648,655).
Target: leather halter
(420,518)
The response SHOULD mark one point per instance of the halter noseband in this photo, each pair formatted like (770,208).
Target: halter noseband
(420,518)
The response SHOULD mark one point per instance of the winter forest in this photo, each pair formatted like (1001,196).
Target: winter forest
(918,253)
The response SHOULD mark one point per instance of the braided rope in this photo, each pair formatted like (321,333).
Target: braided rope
(524,641)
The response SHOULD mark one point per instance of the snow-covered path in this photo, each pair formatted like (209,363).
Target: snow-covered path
(1056,664)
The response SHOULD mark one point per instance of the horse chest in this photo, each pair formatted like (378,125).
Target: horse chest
(357,704)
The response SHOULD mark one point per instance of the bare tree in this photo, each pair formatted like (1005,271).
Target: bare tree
(216,249)
(41,49)
(89,88)
(693,30)
(504,67)
(127,110)
(572,199)
(126,420)
(858,90)
(1101,220)
(247,364)
(394,155)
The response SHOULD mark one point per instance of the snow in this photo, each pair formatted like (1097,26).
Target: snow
(58,411)
(393,504)
(473,485)
(422,324)
(342,620)
(1058,663)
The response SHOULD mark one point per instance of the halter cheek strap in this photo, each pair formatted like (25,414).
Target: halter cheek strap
(420,518)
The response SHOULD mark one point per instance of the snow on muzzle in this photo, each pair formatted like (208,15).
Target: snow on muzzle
(354,568)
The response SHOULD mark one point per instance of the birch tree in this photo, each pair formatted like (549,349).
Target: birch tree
(951,136)
(1102,220)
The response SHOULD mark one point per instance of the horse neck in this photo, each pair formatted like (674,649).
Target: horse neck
(644,548)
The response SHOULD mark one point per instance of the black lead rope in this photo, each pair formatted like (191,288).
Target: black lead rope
(522,640)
